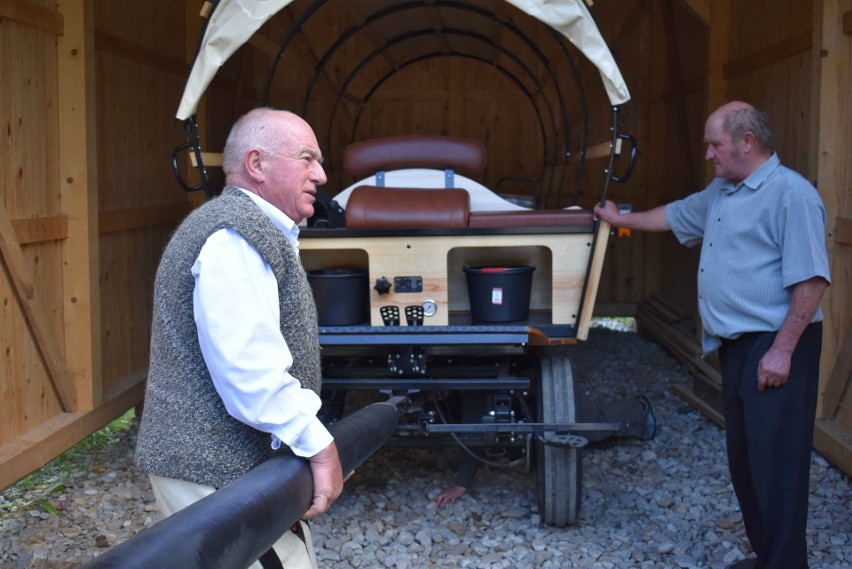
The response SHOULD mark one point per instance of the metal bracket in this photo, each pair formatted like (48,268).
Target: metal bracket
(449,178)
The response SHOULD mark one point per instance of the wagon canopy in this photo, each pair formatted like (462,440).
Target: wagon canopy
(233,22)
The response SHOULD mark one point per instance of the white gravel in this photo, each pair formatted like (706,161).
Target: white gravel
(665,503)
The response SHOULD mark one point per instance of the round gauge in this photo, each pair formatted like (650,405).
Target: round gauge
(429,307)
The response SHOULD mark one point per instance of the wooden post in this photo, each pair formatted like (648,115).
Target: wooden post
(719,54)
(22,278)
(78,189)
(594,280)
(832,61)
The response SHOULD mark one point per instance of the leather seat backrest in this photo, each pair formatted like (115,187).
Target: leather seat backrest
(372,207)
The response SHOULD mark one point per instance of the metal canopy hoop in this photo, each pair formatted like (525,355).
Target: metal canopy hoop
(232,22)
(550,157)
(470,35)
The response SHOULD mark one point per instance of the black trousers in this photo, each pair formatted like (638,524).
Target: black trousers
(770,438)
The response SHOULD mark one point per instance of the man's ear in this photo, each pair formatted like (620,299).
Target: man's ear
(253,163)
(748,141)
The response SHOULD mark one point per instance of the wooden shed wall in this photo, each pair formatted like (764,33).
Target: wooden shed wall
(89,90)
(796,68)
(831,155)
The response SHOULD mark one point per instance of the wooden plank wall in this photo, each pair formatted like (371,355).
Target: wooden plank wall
(137,196)
(89,90)
(661,48)
(88,201)
(31,324)
(797,69)
(832,156)
(445,95)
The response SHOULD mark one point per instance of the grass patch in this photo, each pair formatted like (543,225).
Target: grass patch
(624,323)
(34,490)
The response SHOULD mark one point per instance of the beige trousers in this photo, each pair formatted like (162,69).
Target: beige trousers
(173,495)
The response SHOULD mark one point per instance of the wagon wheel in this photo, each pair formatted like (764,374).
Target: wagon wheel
(559,468)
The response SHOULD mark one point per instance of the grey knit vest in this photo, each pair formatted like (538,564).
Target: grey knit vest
(185,432)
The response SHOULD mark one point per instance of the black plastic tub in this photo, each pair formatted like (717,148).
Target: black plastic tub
(499,294)
(342,296)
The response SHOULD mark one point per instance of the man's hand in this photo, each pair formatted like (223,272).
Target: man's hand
(651,220)
(450,495)
(773,368)
(609,212)
(328,480)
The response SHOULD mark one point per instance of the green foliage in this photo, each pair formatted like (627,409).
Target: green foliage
(46,506)
(48,481)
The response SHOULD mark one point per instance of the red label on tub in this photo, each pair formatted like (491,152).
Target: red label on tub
(496,296)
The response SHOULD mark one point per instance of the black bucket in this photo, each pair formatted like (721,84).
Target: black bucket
(342,296)
(499,294)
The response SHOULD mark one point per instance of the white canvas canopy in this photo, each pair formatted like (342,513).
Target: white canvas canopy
(234,21)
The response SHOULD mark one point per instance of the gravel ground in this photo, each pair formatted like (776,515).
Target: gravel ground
(665,503)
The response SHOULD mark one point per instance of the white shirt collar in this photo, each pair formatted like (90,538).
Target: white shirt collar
(278,217)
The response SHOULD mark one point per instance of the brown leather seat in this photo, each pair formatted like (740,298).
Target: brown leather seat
(414,151)
(578,218)
(378,207)
(371,207)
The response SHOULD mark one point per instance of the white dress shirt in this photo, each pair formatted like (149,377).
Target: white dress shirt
(238,320)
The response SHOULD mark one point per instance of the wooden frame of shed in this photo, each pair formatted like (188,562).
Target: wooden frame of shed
(88,92)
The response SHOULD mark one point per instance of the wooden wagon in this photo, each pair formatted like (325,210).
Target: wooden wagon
(431,286)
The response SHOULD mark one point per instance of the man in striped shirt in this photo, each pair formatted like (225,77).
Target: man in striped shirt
(761,277)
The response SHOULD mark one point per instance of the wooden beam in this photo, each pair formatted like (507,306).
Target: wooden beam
(675,93)
(113,45)
(685,392)
(719,52)
(32,450)
(593,280)
(834,441)
(615,309)
(814,102)
(847,23)
(680,113)
(32,15)
(264,45)
(770,54)
(601,150)
(139,218)
(843,233)
(22,278)
(209,159)
(628,26)
(840,378)
(832,87)
(78,190)
(700,9)
(40,229)
(667,325)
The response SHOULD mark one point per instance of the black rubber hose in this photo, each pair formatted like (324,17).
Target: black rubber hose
(235,525)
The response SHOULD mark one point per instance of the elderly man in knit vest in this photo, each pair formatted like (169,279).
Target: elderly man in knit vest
(235,364)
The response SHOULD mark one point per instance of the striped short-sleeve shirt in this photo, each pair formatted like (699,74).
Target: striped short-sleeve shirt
(758,239)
